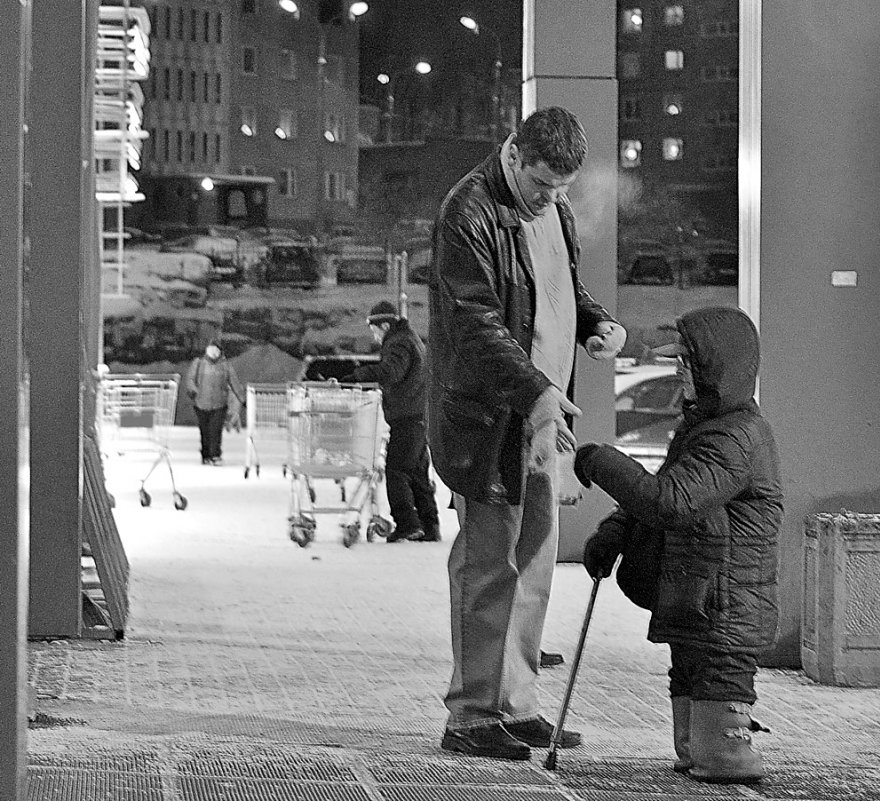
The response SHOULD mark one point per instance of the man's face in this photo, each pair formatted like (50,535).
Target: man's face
(378,332)
(683,371)
(539,186)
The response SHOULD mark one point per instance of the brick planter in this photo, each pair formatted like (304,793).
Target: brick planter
(840,631)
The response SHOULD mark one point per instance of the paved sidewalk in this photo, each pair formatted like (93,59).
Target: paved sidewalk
(255,669)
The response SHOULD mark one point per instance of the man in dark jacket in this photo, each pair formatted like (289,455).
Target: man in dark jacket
(711,515)
(402,375)
(507,310)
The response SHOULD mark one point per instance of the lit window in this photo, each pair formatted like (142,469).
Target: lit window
(287,182)
(249,60)
(672,105)
(288,65)
(631,108)
(631,20)
(248,121)
(334,128)
(674,59)
(630,65)
(674,15)
(672,149)
(630,153)
(286,128)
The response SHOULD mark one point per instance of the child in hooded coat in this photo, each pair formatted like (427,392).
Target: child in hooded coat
(709,520)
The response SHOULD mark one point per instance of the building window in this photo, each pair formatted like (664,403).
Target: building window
(674,59)
(180,146)
(334,128)
(218,88)
(192,146)
(219,28)
(166,90)
(287,182)
(248,6)
(630,65)
(334,186)
(207,32)
(673,15)
(286,128)
(193,92)
(204,147)
(672,149)
(249,60)
(193,25)
(631,108)
(722,118)
(168,22)
(631,20)
(206,87)
(166,144)
(720,29)
(217,144)
(719,73)
(180,84)
(180,21)
(672,105)
(630,153)
(288,65)
(248,121)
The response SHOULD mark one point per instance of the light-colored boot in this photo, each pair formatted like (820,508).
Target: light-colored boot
(681,732)
(721,743)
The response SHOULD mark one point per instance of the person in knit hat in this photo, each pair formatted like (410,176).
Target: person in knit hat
(402,375)
(209,382)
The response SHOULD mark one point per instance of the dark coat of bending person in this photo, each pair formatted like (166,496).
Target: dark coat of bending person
(710,518)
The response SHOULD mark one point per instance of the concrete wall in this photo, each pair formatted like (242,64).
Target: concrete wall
(820,184)
(569,60)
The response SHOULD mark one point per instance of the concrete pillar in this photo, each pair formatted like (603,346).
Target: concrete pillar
(569,60)
(14,46)
(819,226)
(61,227)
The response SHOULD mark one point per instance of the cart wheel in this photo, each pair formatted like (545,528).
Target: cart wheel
(300,535)
(180,502)
(371,532)
(246,471)
(312,494)
(341,485)
(146,500)
(379,526)
(284,470)
(350,534)
(257,468)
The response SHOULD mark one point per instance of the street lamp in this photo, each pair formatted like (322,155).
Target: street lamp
(355,11)
(473,26)
(388,80)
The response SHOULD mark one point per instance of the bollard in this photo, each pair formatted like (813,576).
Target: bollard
(840,622)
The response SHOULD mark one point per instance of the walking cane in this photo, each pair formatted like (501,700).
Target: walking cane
(550,762)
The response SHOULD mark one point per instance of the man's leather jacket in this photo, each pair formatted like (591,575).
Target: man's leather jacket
(482,307)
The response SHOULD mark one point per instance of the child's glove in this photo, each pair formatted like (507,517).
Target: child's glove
(607,342)
(583,463)
(600,554)
(233,421)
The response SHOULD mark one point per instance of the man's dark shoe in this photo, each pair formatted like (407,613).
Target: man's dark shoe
(430,534)
(399,535)
(538,732)
(493,741)
(551,660)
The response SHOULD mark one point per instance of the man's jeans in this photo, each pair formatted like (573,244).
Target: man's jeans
(500,571)
(211,431)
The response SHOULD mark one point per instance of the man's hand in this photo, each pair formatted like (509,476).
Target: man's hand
(600,554)
(607,342)
(549,433)
(583,463)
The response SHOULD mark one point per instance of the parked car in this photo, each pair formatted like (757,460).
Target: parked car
(290,262)
(721,268)
(649,265)
(648,401)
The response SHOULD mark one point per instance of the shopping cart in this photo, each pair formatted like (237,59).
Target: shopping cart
(266,412)
(135,414)
(335,431)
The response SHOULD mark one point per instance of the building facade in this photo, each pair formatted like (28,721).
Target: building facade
(678,73)
(253,88)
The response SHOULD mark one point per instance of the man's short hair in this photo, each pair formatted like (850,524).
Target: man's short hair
(556,137)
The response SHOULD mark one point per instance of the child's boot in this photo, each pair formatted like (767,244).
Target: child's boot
(681,732)
(721,743)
